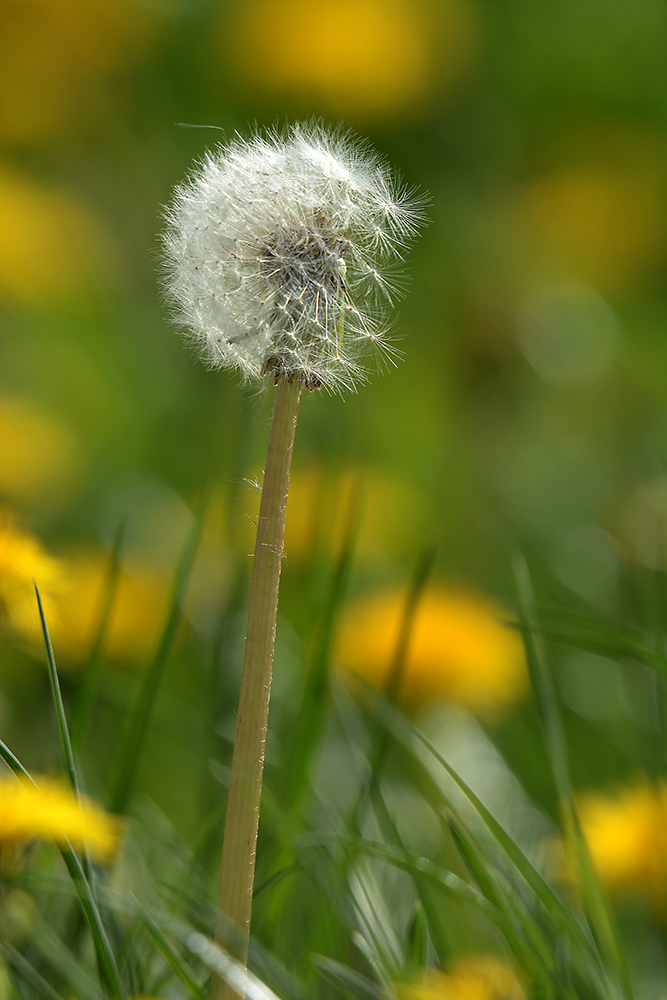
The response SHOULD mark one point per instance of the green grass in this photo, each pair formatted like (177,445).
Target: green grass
(351,897)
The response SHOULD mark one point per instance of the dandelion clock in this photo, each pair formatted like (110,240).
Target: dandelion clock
(279,255)
(280,252)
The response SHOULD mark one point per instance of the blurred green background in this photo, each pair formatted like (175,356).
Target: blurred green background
(527,413)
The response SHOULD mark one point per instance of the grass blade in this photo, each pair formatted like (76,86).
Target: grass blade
(65,742)
(408,735)
(13,763)
(137,728)
(172,957)
(525,939)
(78,976)
(381,739)
(90,675)
(106,963)
(359,985)
(413,864)
(310,715)
(599,913)
(573,934)
(599,636)
(22,966)
(418,938)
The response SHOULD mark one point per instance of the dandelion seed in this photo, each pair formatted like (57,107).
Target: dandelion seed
(280,251)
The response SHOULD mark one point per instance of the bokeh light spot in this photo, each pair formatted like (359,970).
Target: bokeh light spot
(568,333)
(459,650)
(40,459)
(355,58)
(53,246)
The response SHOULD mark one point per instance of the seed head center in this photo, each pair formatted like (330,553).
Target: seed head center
(306,267)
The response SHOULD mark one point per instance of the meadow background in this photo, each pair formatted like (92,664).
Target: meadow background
(527,414)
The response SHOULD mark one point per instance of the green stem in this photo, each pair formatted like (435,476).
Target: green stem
(237,871)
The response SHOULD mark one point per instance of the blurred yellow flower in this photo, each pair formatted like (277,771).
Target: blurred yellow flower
(599,217)
(358,58)
(52,244)
(605,226)
(641,525)
(22,560)
(626,836)
(459,648)
(391,513)
(137,616)
(39,458)
(472,977)
(52,811)
(54,56)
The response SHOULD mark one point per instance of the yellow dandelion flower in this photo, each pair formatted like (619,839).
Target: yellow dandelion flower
(137,615)
(359,58)
(391,513)
(51,811)
(599,217)
(39,457)
(641,525)
(459,649)
(55,58)
(626,836)
(472,977)
(606,227)
(390,516)
(22,560)
(52,246)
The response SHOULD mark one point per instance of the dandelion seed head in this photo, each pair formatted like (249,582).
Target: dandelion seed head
(279,252)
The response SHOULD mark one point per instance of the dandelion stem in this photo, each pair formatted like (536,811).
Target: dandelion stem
(238,852)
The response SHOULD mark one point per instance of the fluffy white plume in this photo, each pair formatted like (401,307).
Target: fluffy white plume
(279,251)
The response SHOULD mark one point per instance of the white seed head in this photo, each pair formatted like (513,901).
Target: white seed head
(279,252)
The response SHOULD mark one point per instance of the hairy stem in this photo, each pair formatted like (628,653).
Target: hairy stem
(238,851)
